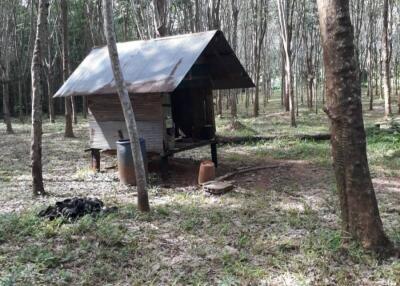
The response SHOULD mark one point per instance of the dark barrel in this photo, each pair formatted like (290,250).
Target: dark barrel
(126,168)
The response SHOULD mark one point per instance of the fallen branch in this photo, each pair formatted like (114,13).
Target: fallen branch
(246,170)
(244,139)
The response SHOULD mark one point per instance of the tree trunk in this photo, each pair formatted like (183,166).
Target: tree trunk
(20,102)
(376,71)
(73,109)
(219,105)
(396,76)
(6,106)
(235,15)
(85,107)
(69,132)
(37,93)
(143,201)
(359,208)
(290,91)
(161,16)
(386,60)
(50,93)
(285,32)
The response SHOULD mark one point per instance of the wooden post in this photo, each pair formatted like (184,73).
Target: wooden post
(164,167)
(95,159)
(214,156)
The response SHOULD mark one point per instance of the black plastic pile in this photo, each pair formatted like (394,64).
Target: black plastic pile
(75,208)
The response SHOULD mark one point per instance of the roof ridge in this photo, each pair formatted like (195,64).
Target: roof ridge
(161,39)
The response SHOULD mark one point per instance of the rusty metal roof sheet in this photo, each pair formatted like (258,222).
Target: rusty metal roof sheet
(157,65)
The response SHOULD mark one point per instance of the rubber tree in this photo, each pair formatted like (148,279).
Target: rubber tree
(285,15)
(37,94)
(143,201)
(235,16)
(5,37)
(359,209)
(161,17)
(69,132)
(386,59)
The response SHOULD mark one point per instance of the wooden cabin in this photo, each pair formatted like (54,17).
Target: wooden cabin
(170,81)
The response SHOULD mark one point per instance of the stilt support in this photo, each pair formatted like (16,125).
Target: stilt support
(95,159)
(214,156)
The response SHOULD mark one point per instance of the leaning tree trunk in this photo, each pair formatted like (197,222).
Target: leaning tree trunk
(386,60)
(143,201)
(359,208)
(37,93)
(69,132)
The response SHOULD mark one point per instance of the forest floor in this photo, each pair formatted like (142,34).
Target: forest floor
(279,226)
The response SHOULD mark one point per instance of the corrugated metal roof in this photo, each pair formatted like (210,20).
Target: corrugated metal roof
(157,65)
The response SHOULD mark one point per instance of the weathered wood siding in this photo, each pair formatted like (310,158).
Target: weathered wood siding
(106,118)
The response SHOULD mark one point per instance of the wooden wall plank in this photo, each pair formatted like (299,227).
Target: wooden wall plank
(103,135)
(106,118)
(108,107)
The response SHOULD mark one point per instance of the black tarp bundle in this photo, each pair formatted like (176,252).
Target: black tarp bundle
(75,208)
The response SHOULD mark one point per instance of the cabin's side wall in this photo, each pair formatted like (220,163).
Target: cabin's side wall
(106,118)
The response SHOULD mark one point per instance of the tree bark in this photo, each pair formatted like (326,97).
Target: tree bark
(396,76)
(359,208)
(161,17)
(143,201)
(5,70)
(37,94)
(50,95)
(261,10)
(235,15)
(69,132)
(6,106)
(285,14)
(386,59)
(48,65)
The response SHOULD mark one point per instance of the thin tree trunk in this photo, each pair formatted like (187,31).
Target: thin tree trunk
(359,208)
(235,14)
(69,132)
(386,60)
(73,109)
(143,201)
(85,107)
(219,112)
(396,76)
(20,102)
(48,68)
(161,16)
(37,93)
(50,93)
(6,108)
(285,31)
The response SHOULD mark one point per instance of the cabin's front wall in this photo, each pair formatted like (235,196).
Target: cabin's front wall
(106,118)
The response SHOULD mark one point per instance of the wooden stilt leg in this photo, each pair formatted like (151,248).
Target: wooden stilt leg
(95,159)
(214,155)
(164,167)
